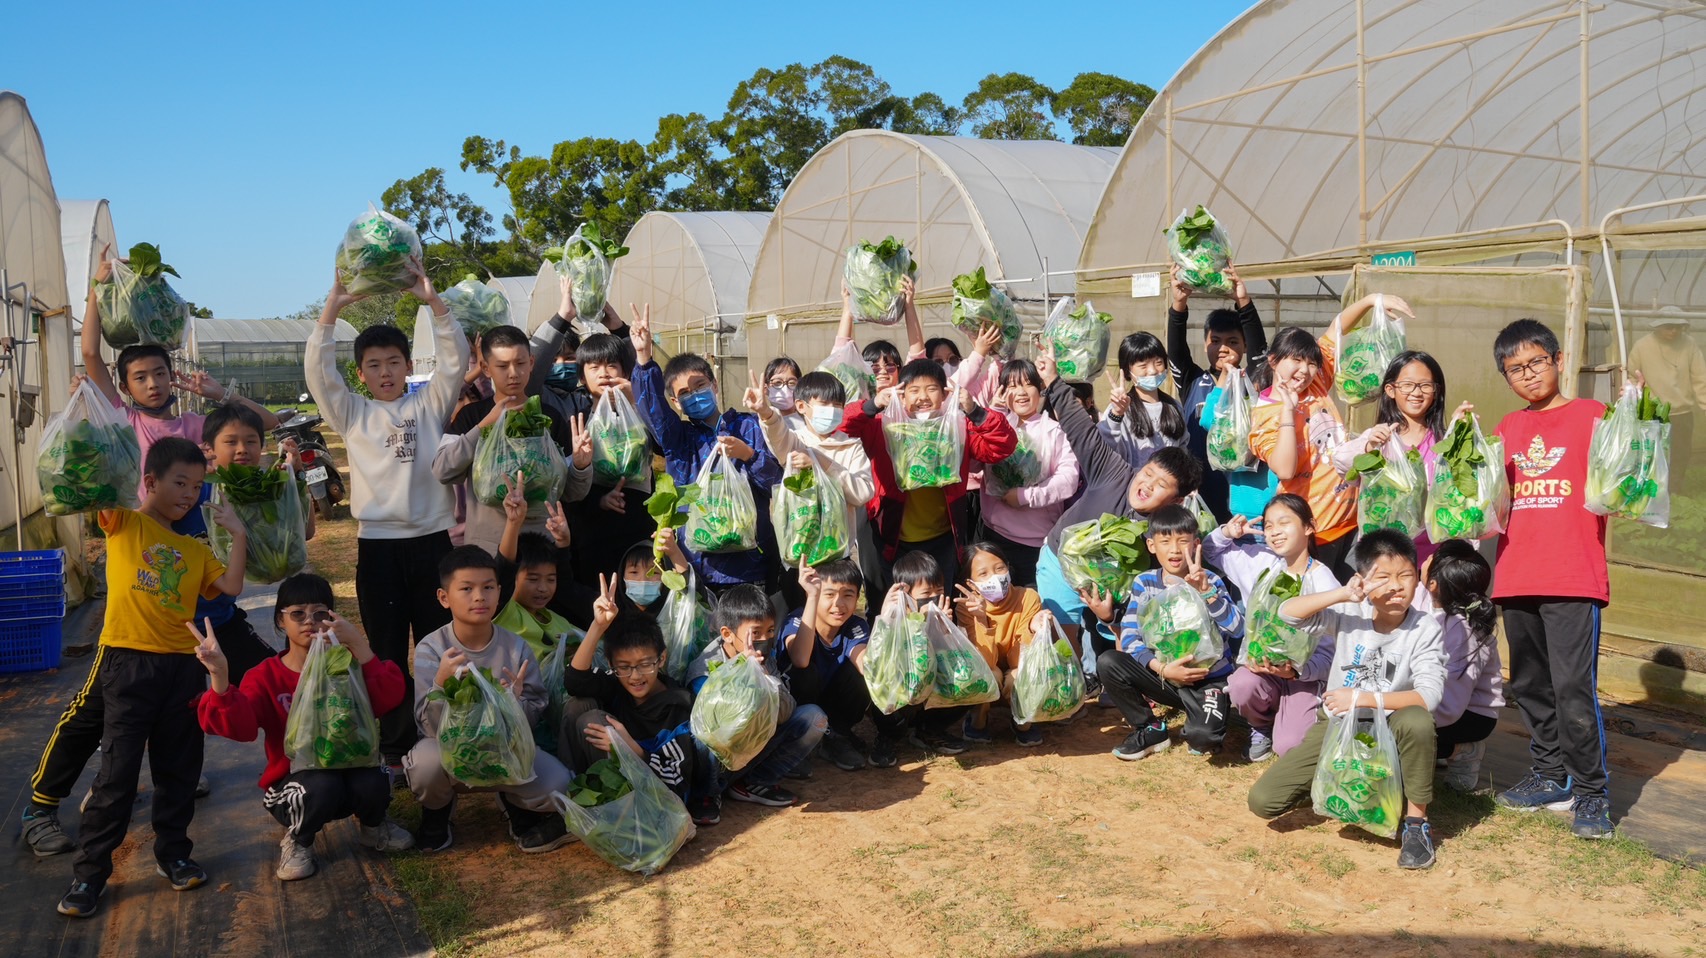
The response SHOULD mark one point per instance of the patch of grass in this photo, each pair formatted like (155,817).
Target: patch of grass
(1255,856)
(442,902)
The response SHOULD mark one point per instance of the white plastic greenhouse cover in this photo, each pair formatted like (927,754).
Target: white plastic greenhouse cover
(85,228)
(517,289)
(210,332)
(1474,121)
(694,269)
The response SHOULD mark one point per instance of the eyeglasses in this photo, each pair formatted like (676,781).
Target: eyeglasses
(1412,389)
(783,383)
(649,667)
(1524,370)
(884,366)
(300,616)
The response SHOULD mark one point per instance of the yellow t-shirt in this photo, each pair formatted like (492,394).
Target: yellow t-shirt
(540,630)
(925,515)
(153,578)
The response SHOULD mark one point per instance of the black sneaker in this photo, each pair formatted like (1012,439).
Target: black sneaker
(547,834)
(1593,817)
(1149,740)
(44,834)
(844,751)
(707,811)
(939,742)
(1534,793)
(434,833)
(802,770)
(82,900)
(202,788)
(882,753)
(1416,844)
(184,874)
(774,796)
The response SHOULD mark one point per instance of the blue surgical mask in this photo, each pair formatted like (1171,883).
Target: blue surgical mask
(643,591)
(564,376)
(826,418)
(701,404)
(1150,382)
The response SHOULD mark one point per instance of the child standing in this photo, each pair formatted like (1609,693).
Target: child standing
(1140,418)
(610,517)
(1469,706)
(1552,583)
(1229,336)
(999,618)
(1019,519)
(812,436)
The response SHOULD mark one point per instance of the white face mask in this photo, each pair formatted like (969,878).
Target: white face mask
(948,369)
(782,397)
(994,588)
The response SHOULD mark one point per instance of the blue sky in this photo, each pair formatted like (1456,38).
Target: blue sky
(242,137)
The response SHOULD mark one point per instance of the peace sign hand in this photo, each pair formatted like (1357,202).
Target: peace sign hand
(754,399)
(556,526)
(1196,576)
(640,332)
(515,501)
(580,442)
(514,681)
(1119,397)
(1238,527)
(604,607)
(971,601)
(210,655)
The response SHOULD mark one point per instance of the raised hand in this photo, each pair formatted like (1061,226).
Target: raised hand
(971,601)
(515,681)
(1196,576)
(1099,601)
(968,403)
(614,500)
(1181,292)
(336,298)
(604,607)
(810,581)
(908,291)
(1045,365)
(988,339)
(1238,527)
(566,300)
(1119,397)
(754,399)
(209,654)
(640,332)
(226,518)
(736,448)
(1357,589)
(1240,295)
(556,526)
(104,271)
(515,501)
(201,384)
(799,461)
(422,288)
(453,659)
(580,442)
(896,593)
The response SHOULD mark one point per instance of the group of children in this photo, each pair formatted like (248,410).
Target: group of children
(1405,626)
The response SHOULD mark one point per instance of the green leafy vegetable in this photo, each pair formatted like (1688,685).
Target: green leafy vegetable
(1020,470)
(723,517)
(485,740)
(926,453)
(478,307)
(734,714)
(602,782)
(1200,247)
(1228,440)
(1079,338)
(588,260)
(89,457)
(521,442)
(809,514)
(667,507)
(1393,493)
(847,364)
(1268,638)
(138,305)
(1176,626)
(639,831)
(1469,493)
(270,508)
(977,304)
(375,252)
(874,276)
(898,664)
(1356,780)
(1048,686)
(959,675)
(618,440)
(330,724)
(1364,354)
(1629,460)
(1106,553)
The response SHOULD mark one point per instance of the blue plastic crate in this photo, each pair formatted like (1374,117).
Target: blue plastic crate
(32,573)
(33,607)
(30,645)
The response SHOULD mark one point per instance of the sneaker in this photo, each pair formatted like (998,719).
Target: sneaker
(1146,741)
(82,900)
(975,735)
(1534,793)
(1261,745)
(707,811)
(546,834)
(399,776)
(802,770)
(940,743)
(202,788)
(844,751)
(434,833)
(184,874)
(295,861)
(387,836)
(1463,766)
(882,753)
(774,796)
(1593,817)
(1029,737)
(43,833)
(1417,844)
(1092,686)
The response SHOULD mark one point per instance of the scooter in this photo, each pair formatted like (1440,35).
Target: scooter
(325,483)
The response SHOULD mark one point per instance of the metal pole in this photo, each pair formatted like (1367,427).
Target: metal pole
(12,363)
(1362,135)
(1045,289)
(1587,153)
(1168,209)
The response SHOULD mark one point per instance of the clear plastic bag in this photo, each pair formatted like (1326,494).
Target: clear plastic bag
(899,665)
(686,624)
(734,714)
(478,308)
(1363,354)
(809,514)
(1469,496)
(520,441)
(486,740)
(927,452)
(1394,496)
(639,832)
(1268,638)
(89,457)
(588,271)
(331,723)
(1357,779)
(977,303)
(1206,522)
(1629,461)
(1176,626)
(618,440)
(873,275)
(137,309)
(1199,245)
(960,676)
(551,673)
(847,364)
(1048,686)
(1229,431)
(375,252)
(1105,553)
(723,518)
(276,524)
(1079,336)
(1021,470)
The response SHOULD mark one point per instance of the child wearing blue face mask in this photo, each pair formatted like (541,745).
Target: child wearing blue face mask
(1141,419)
(641,587)
(813,437)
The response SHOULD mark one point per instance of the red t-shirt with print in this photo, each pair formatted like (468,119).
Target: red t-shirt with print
(1552,546)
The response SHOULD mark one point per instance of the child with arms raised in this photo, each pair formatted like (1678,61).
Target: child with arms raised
(611,516)
(1018,518)
(1229,337)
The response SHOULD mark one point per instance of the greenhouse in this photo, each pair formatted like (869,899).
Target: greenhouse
(262,358)
(1543,159)
(1019,209)
(518,290)
(85,229)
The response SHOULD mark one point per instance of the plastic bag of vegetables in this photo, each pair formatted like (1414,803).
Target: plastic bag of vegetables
(1229,431)
(1079,336)
(89,457)
(899,664)
(1177,627)
(520,441)
(686,623)
(1200,247)
(960,675)
(724,517)
(479,308)
(926,452)
(1363,354)
(637,828)
(587,260)
(1022,469)
(1469,496)
(485,739)
(1268,638)
(138,305)
(1206,522)
(330,723)
(847,364)
(873,275)
(375,252)
(1394,489)
(618,440)
(809,514)
(551,669)
(977,303)
(1357,779)
(1629,460)
(269,503)
(1048,686)
(734,714)
(1106,553)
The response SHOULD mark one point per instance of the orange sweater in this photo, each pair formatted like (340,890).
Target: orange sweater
(1005,627)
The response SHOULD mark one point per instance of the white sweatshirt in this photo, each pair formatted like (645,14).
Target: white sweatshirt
(1244,562)
(1410,657)
(842,456)
(393,493)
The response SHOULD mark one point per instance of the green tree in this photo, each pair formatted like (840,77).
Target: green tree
(199,312)
(928,115)
(1010,106)
(772,127)
(1101,109)
(452,226)
(611,182)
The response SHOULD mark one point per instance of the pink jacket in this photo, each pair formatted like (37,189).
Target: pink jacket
(1041,504)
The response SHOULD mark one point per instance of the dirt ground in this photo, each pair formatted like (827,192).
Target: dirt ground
(1060,850)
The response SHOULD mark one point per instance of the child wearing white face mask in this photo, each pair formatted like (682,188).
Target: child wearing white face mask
(998,616)
(642,573)
(1140,418)
(813,436)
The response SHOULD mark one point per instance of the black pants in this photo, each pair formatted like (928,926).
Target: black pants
(1554,667)
(944,550)
(243,647)
(1127,683)
(871,565)
(843,696)
(396,585)
(1021,558)
(601,537)
(1470,727)
(305,802)
(1336,555)
(150,700)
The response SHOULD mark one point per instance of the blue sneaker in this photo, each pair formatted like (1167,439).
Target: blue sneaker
(1593,817)
(1534,793)
(972,733)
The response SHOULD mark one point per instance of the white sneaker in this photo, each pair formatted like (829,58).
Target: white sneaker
(295,862)
(1463,767)
(387,836)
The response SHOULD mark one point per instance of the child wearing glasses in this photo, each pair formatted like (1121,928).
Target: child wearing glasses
(1551,582)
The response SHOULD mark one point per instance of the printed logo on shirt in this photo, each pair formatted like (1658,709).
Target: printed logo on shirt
(1538,460)
(162,575)
(1369,670)
(402,440)
(1533,491)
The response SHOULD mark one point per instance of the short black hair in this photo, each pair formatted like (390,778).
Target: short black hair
(743,604)
(881,349)
(606,350)
(931,344)
(780,362)
(303,588)
(1524,332)
(138,352)
(381,337)
(842,572)
(923,369)
(533,549)
(686,364)
(169,451)
(918,568)
(224,414)
(1222,321)
(1298,506)
(1171,521)
(633,630)
(819,386)
(570,348)
(507,336)
(1139,347)
(985,546)
(1382,544)
(464,557)
(1295,342)
(1178,462)
(1021,371)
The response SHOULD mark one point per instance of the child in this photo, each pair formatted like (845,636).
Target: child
(1131,673)
(1469,705)
(609,516)
(468,578)
(1229,336)
(308,800)
(918,579)
(403,512)
(1552,582)
(1140,417)
(689,386)
(821,647)
(563,376)
(1386,646)
(1019,520)
(1279,701)
(999,617)
(813,436)
(149,676)
(781,378)
(746,625)
(536,581)
(504,353)
(945,352)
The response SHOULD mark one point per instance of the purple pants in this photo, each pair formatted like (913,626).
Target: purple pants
(1285,707)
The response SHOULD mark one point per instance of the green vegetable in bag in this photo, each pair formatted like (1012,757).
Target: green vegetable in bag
(485,740)
(600,784)
(1629,460)
(809,514)
(1200,247)
(1364,353)
(723,518)
(1469,495)
(1357,778)
(1268,638)
(588,260)
(138,305)
(1176,626)
(898,664)
(375,252)
(89,457)
(686,625)
(1229,431)
(960,675)
(519,442)
(926,452)
(1079,338)
(976,304)
(847,364)
(1393,490)
(618,440)
(478,308)
(873,275)
(639,830)
(1106,553)
(331,724)
(269,503)
(734,714)
(1021,470)
(1048,686)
